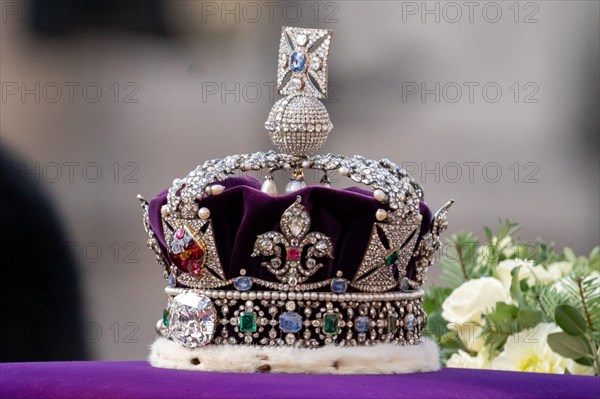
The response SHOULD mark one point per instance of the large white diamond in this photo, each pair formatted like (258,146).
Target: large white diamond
(191,319)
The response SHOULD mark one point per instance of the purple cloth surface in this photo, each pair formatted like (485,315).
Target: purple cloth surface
(242,212)
(138,379)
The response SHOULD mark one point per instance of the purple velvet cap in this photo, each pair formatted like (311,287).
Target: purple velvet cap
(243,211)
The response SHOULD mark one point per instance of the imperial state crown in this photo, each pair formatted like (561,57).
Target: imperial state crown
(313,280)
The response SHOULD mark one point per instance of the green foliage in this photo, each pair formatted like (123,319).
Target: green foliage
(569,346)
(594,260)
(458,259)
(575,342)
(583,293)
(506,320)
(570,320)
(436,327)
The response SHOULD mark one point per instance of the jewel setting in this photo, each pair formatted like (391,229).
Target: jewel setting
(294,238)
(186,252)
(190,319)
(298,62)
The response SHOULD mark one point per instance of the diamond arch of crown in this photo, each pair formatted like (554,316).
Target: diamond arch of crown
(390,183)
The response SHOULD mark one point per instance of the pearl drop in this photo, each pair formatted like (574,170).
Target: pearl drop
(269,186)
(381,214)
(164,210)
(380,195)
(294,185)
(344,171)
(203,213)
(215,189)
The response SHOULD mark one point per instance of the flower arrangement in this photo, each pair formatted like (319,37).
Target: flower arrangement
(507,305)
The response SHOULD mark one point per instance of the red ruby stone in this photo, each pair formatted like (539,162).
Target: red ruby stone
(294,254)
(191,259)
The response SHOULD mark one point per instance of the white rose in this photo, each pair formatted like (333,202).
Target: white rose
(529,351)
(560,269)
(472,299)
(462,360)
(504,269)
(534,274)
(464,307)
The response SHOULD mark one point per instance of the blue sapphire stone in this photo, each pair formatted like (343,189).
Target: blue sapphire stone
(298,62)
(172,280)
(290,322)
(404,285)
(339,285)
(242,283)
(362,323)
(409,322)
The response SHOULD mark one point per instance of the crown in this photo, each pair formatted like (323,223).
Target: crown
(316,279)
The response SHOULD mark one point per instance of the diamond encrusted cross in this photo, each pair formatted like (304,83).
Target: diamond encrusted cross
(302,67)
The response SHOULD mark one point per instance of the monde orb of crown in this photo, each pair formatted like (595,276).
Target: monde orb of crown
(298,125)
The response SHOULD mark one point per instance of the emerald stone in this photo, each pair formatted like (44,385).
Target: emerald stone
(391,258)
(331,323)
(248,322)
(166,317)
(392,323)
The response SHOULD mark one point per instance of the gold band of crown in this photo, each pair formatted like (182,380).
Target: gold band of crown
(307,320)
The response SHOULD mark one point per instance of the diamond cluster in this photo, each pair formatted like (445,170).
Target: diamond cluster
(191,319)
(295,237)
(298,125)
(302,66)
(400,191)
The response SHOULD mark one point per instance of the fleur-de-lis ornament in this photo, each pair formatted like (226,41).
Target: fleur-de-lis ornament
(288,247)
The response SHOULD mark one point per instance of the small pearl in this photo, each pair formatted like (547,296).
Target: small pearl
(216,189)
(269,186)
(294,185)
(164,210)
(344,171)
(380,195)
(203,213)
(381,214)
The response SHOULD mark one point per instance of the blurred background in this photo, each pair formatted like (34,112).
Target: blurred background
(494,104)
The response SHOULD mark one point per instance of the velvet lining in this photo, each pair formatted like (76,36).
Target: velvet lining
(242,212)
